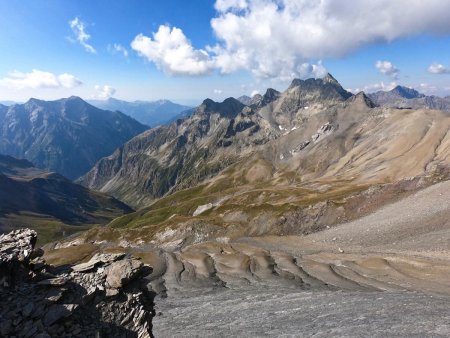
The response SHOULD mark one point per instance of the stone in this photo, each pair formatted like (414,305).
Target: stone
(122,272)
(27,309)
(53,281)
(98,259)
(55,313)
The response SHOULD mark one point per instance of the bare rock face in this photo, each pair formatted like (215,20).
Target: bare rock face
(104,297)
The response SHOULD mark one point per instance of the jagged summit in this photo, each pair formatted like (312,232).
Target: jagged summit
(361,97)
(328,78)
(230,107)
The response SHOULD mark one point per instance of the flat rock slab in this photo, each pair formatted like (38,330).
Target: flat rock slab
(289,313)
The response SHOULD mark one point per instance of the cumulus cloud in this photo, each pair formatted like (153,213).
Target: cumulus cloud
(255,92)
(118,48)
(427,88)
(274,38)
(39,79)
(172,52)
(437,68)
(104,92)
(79,30)
(387,68)
(374,87)
(218,91)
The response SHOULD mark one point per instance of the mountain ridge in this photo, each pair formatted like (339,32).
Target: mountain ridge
(150,113)
(66,135)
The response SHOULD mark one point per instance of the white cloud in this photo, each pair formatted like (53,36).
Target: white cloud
(225,5)
(427,88)
(308,70)
(437,68)
(275,38)
(104,92)
(218,91)
(118,48)
(172,52)
(79,29)
(68,80)
(271,38)
(39,79)
(387,68)
(374,87)
(255,92)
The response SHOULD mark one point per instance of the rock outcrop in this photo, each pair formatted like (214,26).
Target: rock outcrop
(104,297)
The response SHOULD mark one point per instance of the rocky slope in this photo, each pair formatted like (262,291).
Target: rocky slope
(404,97)
(182,154)
(67,136)
(217,135)
(304,174)
(150,113)
(103,297)
(34,196)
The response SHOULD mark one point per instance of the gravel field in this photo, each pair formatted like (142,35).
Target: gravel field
(289,313)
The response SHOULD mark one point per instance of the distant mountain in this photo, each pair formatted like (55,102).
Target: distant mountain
(218,134)
(30,193)
(404,97)
(67,136)
(150,113)
(244,99)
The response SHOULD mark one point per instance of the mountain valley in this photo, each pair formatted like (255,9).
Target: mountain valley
(312,196)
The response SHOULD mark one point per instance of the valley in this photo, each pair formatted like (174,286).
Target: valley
(298,205)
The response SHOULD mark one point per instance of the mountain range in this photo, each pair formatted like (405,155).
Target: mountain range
(67,136)
(284,195)
(404,97)
(178,156)
(150,113)
(233,170)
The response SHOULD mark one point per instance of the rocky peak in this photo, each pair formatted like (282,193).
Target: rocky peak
(361,97)
(271,95)
(229,108)
(322,89)
(407,93)
(330,79)
(244,99)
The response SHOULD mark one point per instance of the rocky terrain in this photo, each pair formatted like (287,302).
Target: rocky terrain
(48,202)
(217,135)
(344,281)
(67,136)
(312,211)
(103,297)
(150,113)
(404,97)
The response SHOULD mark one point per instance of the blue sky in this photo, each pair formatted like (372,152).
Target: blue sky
(189,50)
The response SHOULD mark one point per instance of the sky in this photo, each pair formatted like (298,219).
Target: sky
(187,51)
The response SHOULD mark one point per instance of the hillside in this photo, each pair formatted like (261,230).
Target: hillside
(67,136)
(217,135)
(48,201)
